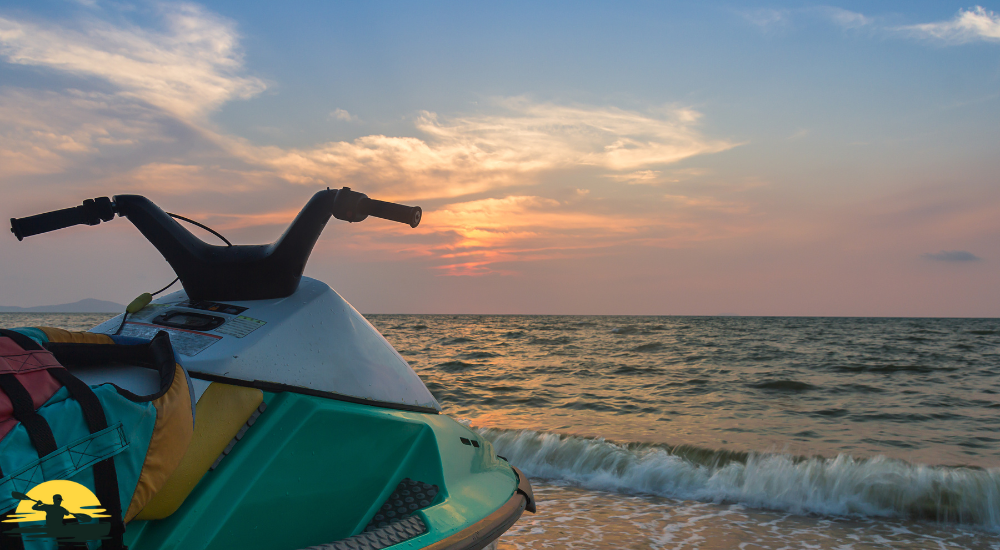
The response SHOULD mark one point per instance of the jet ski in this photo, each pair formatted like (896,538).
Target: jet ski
(310,430)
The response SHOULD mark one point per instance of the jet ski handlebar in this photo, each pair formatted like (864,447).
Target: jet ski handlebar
(91,212)
(240,272)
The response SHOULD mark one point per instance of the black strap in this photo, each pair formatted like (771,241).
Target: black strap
(7,540)
(157,354)
(72,354)
(105,475)
(26,342)
(93,412)
(38,429)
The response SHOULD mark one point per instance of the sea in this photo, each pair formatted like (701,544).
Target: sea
(722,432)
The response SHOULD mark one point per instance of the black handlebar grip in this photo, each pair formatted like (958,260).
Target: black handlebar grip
(91,212)
(395,212)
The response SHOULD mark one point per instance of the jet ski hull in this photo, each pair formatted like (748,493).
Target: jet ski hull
(312,471)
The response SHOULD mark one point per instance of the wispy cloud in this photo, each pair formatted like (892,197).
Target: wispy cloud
(47,132)
(188,68)
(770,19)
(707,203)
(474,153)
(492,235)
(952,256)
(638,177)
(968,25)
(844,18)
(478,237)
(766,18)
(656,177)
(971,25)
(165,178)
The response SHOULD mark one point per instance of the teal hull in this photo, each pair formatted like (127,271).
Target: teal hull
(313,470)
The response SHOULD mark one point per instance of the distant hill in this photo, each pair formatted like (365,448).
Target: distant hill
(88,305)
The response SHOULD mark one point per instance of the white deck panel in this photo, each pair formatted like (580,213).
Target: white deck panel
(312,339)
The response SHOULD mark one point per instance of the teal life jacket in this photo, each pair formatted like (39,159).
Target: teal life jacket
(54,428)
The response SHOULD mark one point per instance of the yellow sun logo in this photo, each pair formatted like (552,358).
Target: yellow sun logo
(75,498)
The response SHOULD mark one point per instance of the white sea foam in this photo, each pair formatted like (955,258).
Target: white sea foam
(831,486)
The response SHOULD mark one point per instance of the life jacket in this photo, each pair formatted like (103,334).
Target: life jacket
(119,445)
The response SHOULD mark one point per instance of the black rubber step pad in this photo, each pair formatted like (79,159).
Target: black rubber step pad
(410,495)
(387,536)
(394,522)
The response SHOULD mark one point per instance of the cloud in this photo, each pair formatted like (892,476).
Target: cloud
(341,114)
(976,24)
(968,25)
(49,132)
(638,177)
(554,135)
(492,235)
(707,204)
(165,178)
(766,18)
(952,256)
(844,18)
(480,234)
(475,153)
(772,19)
(187,69)
(656,177)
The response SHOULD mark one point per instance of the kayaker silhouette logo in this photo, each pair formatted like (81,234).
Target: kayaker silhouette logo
(61,510)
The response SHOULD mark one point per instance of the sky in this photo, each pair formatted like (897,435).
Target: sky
(647,158)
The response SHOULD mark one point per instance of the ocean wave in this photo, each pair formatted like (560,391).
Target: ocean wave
(456,366)
(841,486)
(783,385)
(551,341)
(480,355)
(922,369)
(652,346)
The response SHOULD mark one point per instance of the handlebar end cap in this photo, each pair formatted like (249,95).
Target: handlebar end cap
(15,228)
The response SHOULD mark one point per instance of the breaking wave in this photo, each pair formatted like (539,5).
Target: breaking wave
(841,486)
